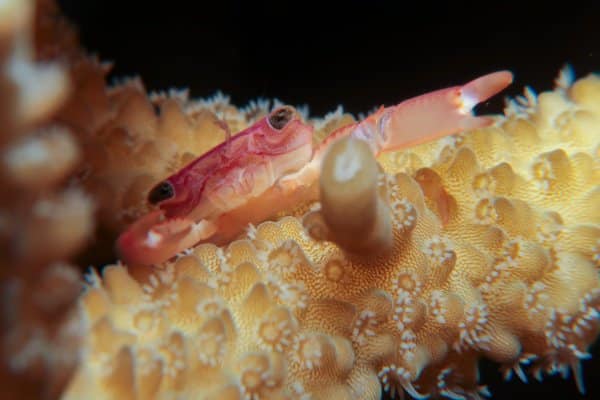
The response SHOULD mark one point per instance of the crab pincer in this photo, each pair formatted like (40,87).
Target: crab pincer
(427,117)
(153,238)
(440,113)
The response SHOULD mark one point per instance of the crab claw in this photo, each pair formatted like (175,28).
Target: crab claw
(153,239)
(440,113)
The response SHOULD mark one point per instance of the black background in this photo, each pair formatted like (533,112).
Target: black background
(356,53)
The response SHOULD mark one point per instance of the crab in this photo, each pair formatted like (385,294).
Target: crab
(273,165)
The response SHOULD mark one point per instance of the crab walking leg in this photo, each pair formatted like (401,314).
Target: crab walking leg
(162,239)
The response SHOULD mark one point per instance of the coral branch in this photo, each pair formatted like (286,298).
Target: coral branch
(491,241)
(488,259)
(357,217)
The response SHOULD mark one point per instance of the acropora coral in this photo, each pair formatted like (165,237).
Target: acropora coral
(44,221)
(494,255)
(491,249)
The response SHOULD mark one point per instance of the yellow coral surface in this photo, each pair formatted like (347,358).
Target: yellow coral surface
(495,255)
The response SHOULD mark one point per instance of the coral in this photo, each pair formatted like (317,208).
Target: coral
(494,255)
(44,221)
(354,214)
(483,245)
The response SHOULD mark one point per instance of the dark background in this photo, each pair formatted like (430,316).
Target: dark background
(357,53)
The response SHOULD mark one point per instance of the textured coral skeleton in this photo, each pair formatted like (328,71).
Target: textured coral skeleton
(283,313)
(494,252)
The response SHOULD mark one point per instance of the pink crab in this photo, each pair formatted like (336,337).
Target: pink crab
(273,165)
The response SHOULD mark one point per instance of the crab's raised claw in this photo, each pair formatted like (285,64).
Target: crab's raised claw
(440,113)
(153,239)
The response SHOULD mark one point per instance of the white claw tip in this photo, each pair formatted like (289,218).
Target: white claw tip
(468,101)
(153,239)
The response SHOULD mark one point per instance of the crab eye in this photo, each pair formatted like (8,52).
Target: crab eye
(280,117)
(160,192)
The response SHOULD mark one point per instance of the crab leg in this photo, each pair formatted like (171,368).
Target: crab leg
(414,121)
(162,238)
(440,113)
